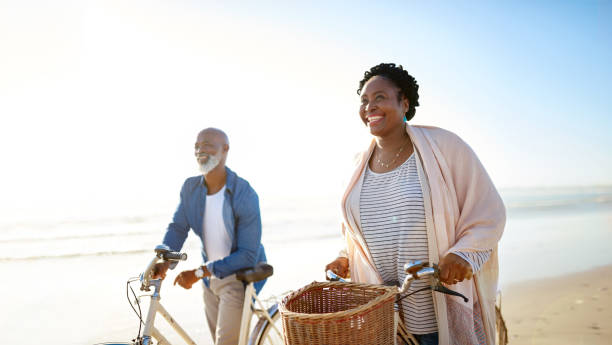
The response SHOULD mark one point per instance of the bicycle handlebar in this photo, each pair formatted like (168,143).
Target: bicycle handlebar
(162,253)
(174,256)
(334,277)
(414,270)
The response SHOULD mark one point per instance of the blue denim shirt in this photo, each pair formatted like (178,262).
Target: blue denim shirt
(240,215)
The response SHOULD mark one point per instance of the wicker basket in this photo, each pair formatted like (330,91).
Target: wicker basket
(335,313)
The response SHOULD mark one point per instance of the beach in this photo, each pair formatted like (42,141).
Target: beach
(89,305)
(571,309)
(64,281)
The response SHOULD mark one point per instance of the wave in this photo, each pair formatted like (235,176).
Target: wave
(536,204)
(75,237)
(47,223)
(74,255)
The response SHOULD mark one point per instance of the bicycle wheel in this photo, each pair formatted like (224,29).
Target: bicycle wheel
(265,333)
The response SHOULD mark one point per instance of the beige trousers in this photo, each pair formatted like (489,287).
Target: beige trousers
(223,302)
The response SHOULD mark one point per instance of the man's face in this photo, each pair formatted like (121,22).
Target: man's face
(208,152)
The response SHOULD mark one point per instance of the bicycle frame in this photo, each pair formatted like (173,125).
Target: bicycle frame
(248,308)
(155,307)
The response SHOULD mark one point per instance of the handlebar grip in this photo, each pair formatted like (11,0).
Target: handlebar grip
(163,252)
(174,256)
(331,276)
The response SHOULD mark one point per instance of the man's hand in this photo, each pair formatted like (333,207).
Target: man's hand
(186,279)
(340,266)
(160,269)
(454,269)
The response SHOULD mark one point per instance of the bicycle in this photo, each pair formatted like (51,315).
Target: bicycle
(419,270)
(267,330)
(414,270)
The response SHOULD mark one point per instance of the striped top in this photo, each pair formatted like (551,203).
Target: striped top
(393,223)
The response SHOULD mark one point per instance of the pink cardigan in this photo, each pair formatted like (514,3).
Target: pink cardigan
(463,212)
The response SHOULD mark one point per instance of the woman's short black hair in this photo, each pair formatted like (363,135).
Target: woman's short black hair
(400,77)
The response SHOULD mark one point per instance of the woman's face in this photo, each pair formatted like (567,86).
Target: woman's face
(381,110)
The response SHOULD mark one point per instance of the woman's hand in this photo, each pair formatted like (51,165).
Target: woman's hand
(454,269)
(340,266)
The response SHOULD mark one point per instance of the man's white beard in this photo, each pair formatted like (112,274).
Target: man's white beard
(210,163)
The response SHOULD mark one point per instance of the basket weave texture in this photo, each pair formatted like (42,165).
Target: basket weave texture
(336,313)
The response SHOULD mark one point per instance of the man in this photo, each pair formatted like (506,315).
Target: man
(223,210)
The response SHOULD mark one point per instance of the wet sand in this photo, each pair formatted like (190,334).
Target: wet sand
(572,309)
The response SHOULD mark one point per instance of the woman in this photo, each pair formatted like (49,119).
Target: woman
(421,193)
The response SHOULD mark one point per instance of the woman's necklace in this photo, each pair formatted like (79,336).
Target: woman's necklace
(386,165)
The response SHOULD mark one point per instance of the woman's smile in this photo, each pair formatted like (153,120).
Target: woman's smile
(374,119)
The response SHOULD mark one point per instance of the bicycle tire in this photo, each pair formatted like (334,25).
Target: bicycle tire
(263,333)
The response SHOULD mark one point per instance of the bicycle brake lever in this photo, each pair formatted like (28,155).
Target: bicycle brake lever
(443,289)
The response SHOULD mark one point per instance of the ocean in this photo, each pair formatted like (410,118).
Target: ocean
(549,231)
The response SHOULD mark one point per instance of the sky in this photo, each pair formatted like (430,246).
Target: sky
(101,101)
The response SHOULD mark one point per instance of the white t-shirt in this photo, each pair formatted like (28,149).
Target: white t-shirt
(216,239)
